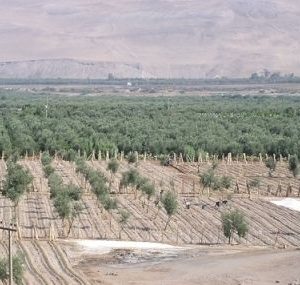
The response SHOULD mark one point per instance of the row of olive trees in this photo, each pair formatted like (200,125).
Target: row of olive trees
(66,198)
(138,183)
(17,181)
(293,165)
(211,181)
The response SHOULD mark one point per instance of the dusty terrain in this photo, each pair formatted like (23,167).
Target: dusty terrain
(224,265)
(167,38)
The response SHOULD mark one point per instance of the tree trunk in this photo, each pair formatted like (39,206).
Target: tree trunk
(70,226)
(167,223)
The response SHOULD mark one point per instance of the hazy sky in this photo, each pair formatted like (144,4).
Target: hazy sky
(213,33)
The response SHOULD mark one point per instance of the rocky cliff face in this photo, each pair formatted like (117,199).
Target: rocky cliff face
(163,38)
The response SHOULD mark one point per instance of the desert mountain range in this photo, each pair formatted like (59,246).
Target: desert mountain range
(148,38)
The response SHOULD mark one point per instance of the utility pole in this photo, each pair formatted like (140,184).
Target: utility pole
(10,230)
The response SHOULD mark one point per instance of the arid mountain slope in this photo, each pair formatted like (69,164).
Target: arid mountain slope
(163,38)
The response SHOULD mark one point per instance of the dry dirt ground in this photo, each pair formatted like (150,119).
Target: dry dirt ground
(223,265)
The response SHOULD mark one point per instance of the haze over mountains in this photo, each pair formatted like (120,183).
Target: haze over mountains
(144,38)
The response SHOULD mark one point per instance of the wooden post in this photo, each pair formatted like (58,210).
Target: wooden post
(136,156)
(200,158)
(260,158)
(93,155)
(245,158)
(268,190)
(107,156)
(180,158)
(99,155)
(122,156)
(116,154)
(207,157)
(278,189)
(289,190)
(274,157)
(145,156)
(280,158)
(229,158)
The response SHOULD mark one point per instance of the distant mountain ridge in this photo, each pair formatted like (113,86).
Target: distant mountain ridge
(155,39)
(83,69)
(68,68)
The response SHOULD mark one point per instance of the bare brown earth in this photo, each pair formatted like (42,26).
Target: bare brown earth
(201,266)
(270,226)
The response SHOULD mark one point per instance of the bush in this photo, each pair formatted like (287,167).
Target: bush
(48,169)
(132,158)
(294,165)
(271,164)
(170,204)
(46,158)
(234,222)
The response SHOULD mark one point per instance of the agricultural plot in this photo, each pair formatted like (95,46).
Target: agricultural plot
(200,223)
(197,221)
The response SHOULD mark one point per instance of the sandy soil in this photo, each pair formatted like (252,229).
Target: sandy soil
(200,265)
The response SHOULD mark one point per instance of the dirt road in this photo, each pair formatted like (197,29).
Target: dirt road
(205,266)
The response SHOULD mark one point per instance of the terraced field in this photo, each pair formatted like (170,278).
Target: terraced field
(46,262)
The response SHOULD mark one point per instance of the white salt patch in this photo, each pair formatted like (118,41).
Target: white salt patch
(290,203)
(104,246)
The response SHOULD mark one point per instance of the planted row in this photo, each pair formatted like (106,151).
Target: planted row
(66,198)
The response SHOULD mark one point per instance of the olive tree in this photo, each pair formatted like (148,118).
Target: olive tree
(109,204)
(170,204)
(294,165)
(112,167)
(67,208)
(209,180)
(16,183)
(130,178)
(234,222)
(271,164)
(124,217)
(149,190)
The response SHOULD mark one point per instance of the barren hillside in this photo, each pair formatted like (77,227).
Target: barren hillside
(169,38)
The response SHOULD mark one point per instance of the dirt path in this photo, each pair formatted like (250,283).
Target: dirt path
(209,267)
